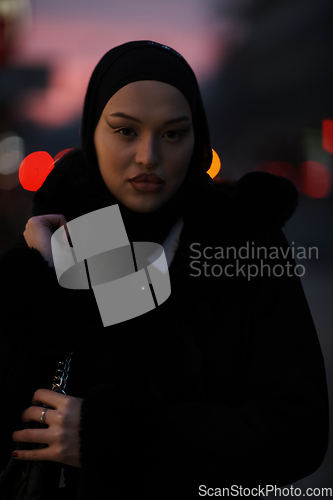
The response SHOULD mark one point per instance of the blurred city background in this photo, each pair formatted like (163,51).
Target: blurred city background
(265,68)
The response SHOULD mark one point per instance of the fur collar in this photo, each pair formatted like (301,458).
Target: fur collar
(260,199)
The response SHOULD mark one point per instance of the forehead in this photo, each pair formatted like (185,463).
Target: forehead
(149,94)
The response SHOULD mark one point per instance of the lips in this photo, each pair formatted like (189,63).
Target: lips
(154,179)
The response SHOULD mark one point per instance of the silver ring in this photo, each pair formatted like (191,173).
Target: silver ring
(42,416)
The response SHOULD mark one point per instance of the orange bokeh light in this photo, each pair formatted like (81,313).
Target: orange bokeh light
(34,169)
(316,179)
(215,165)
(327,135)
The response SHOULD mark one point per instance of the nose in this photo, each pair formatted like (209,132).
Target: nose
(147,152)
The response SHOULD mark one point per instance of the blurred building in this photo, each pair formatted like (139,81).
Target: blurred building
(270,96)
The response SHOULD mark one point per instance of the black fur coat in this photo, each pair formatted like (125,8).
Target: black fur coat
(223,384)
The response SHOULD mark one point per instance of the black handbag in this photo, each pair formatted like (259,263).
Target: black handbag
(28,480)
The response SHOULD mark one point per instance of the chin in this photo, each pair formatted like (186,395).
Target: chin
(145,207)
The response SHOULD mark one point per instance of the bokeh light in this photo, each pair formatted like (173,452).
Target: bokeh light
(11,155)
(15,20)
(312,178)
(316,179)
(281,168)
(62,153)
(34,169)
(327,135)
(215,165)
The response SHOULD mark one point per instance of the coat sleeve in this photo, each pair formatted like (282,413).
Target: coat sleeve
(275,432)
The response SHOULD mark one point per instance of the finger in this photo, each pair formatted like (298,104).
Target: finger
(40,436)
(34,455)
(55,220)
(25,235)
(48,397)
(51,221)
(33,414)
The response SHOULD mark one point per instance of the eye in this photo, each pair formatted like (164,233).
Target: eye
(173,134)
(124,131)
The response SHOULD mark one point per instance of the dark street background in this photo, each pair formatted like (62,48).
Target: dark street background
(265,69)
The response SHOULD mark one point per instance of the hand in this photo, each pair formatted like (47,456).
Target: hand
(62,434)
(38,232)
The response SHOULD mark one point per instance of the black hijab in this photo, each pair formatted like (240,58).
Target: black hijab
(130,62)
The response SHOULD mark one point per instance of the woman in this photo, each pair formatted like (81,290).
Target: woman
(224,383)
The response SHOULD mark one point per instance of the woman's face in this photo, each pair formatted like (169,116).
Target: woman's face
(145,128)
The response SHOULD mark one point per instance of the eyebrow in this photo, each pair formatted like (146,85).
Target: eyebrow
(173,120)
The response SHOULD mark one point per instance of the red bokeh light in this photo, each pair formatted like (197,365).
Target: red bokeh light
(34,169)
(311,178)
(61,154)
(281,168)
(316,179)
(327,135)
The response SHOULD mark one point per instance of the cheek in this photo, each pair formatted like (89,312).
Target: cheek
(182,160)
(103,145)
(110,158)
(99,147)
